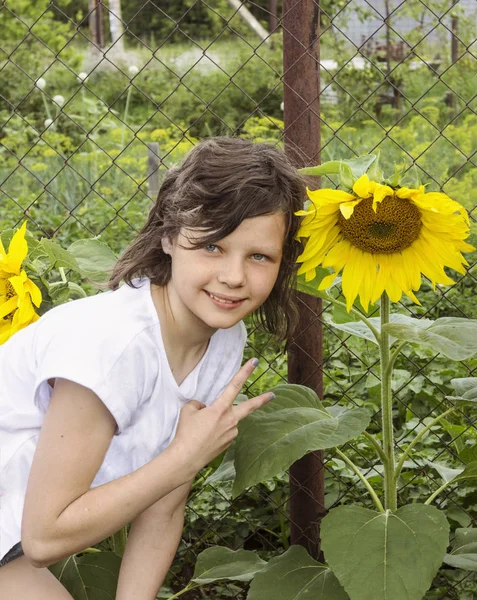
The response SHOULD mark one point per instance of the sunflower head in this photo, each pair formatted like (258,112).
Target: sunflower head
(382,238)
(18,293)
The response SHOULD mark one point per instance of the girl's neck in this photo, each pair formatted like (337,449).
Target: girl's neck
(184,338)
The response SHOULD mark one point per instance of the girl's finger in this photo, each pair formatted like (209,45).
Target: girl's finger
(243,409)
(236,384)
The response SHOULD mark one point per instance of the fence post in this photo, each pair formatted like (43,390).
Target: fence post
(153,169)
(301,22)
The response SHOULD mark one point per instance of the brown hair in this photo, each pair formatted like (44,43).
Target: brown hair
(222,182)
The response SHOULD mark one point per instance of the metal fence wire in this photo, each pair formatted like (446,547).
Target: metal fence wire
(96,104)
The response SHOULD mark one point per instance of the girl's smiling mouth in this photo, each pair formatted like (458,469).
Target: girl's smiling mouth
(227,302)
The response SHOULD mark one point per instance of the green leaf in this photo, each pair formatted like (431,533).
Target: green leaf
(222,563)
(350,169)
(226,470)
(294,575)
(385,555)
(284,430)
(361,330)
(58,256)
(464,554)
(331,167)
(89,577)
(468,454)
(465,389)
(455,338)
(95,259)
(311,287)
(446,473)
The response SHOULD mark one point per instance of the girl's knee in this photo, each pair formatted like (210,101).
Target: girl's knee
(20,580)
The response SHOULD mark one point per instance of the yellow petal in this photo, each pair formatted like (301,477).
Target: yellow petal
(17,250)
(328,196)
(327,281)
(363,187)
(352,277)
(347,208)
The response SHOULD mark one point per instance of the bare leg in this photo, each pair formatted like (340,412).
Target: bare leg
(19,580)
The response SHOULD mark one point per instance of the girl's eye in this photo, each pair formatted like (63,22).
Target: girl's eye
(210,248)
(259,257)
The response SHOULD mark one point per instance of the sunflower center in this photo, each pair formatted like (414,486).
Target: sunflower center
(9,290)
(9,293)
(394,226)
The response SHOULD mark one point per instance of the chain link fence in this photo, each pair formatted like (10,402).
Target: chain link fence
(95,106)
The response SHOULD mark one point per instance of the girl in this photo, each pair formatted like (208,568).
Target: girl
(111,404)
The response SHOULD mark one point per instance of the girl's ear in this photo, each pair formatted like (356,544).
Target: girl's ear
(166,245)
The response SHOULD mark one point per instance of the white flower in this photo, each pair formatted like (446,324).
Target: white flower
(82,76)
(133,70)
(59,100)
(47,122)
(40,83)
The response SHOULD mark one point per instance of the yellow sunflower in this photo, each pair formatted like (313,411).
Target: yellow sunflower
(18,294)
(383,239)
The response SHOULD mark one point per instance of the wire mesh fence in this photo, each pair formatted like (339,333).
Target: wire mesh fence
(96,104)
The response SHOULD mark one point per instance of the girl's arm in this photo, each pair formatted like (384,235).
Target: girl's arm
(61,514)
(152,544)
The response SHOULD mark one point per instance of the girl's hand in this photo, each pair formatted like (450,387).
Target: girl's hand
(204,432)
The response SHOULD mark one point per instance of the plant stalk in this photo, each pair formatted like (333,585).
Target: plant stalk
(369,487)
(390,493)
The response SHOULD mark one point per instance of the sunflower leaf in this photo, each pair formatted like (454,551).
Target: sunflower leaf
(361,330)
(385,555)
(453,337)
(465,389)
(294,575)
(357,167)
(219,563)
(79,575)
(284,430)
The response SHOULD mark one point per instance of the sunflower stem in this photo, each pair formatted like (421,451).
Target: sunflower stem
(390,494)
(368,486)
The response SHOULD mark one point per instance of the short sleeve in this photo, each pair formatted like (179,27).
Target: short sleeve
(119,371)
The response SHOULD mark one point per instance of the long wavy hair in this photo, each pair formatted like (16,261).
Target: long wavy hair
(221,182)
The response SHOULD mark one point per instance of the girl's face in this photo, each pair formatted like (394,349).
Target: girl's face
(220,284)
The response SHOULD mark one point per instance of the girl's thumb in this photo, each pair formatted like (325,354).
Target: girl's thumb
(196,404)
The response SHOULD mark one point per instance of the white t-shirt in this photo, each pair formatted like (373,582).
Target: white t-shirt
(110,343)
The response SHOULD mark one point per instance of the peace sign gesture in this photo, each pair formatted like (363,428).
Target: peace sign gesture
(204,432)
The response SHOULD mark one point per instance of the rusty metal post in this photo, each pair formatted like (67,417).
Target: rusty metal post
(301,22)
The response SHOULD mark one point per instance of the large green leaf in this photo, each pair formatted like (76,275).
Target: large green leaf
(385,556)
(89,577)
(95,259)
(294,575)
(464,554)
(222,563)
(455,338)
(284,430)
(361,330)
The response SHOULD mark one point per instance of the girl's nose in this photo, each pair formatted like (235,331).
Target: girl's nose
(232,274)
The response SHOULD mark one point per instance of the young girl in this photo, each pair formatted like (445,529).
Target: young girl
(111,404)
